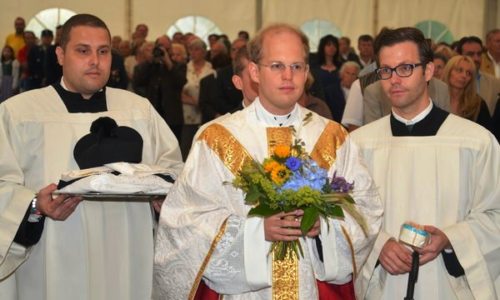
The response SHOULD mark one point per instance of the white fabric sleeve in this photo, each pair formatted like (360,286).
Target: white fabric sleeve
(353,111)
(336,267)
(476,238)
(240,261)
(165,146)
(14,197)
(367,202)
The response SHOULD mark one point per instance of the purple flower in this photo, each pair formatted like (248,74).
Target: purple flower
(293,163)
(339,184)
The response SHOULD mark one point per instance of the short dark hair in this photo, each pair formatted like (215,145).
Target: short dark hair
(244,34)
(390,37)
(80,20)
(365,38)
(468,40)
(213,35)
(47,32)
(438,55)
(346,39)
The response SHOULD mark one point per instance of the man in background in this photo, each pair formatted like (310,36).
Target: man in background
(491,58)
(365,48)
(40,64)
(16,39)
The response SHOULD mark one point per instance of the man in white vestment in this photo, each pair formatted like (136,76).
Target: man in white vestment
(58,247)
(206,244)
(434,169)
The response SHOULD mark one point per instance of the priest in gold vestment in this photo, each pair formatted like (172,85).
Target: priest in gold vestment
(207,245)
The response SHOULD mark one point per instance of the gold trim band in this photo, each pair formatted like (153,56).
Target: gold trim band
(204,264)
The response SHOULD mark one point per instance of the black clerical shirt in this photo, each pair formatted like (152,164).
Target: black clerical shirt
(75,103)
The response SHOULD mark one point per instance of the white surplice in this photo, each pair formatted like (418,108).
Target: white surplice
(104,250)
(203,198)
(451,181)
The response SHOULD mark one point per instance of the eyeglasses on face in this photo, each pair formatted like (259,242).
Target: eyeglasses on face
(279,67)
(403,70)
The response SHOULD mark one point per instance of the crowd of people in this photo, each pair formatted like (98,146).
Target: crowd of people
(415,125)
(334,66)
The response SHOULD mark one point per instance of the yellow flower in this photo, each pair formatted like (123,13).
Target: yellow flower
(282,151)
(280,174)
(270,165)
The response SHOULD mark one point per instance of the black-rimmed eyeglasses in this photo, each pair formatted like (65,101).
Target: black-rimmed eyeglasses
(403,70)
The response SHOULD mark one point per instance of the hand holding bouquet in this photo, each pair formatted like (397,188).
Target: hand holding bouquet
(289,180)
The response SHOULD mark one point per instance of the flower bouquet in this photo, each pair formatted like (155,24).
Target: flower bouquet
(288,180)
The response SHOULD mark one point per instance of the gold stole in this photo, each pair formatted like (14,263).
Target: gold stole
(286,272)
(285,283)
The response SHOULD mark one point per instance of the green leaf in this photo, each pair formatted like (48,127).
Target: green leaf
(334,211)
(310,216)
(262,210)
(253,195)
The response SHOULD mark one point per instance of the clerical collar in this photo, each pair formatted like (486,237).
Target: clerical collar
(276,120)
(415,119)
(75,103)
(428,126)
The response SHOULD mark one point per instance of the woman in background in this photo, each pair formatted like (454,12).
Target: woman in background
(179,53)
(197,68)
(459,74)
(327,71)
(9,73)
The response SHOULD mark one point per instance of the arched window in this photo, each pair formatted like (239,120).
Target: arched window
(436,31)
(200,26)
(49,19)
(316,29)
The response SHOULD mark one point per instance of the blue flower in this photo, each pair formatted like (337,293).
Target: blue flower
(310,175)
(293,163)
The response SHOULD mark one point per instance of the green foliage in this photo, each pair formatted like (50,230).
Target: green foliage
(262,184)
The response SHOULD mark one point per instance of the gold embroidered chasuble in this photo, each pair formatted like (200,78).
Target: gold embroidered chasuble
(234,156)
(203,218)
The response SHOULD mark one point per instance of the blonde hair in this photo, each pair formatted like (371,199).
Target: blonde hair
(470,102)
(181,49)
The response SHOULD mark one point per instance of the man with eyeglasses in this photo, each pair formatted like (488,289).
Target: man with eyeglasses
(205,236)
(434,169)
(377,104)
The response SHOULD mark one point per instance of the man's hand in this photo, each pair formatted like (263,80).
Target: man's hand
(438,242)
(395,258)
(283,226)
(157,203)
(57,208)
